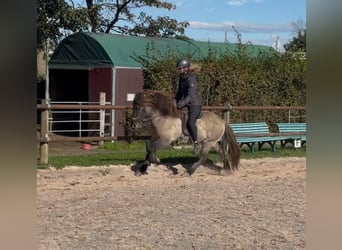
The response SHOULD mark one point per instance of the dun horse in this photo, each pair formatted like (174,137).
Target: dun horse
(157,109)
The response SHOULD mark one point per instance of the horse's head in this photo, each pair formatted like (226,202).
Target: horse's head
(140,116)
(150,104)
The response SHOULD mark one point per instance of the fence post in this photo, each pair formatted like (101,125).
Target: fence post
(102,116)
(44,133)
(289,115)
(226,114)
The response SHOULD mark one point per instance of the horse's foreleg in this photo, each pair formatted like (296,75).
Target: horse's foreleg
(141,170)
(151,150)
(149,158)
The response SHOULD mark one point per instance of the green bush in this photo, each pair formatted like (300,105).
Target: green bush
(239,77)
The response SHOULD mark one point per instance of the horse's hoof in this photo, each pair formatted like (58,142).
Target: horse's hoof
(191,170)
(226,172)
(174,171)
(156,161)
(139,173)
(185,174)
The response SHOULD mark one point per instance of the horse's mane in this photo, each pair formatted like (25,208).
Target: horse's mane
(158,100)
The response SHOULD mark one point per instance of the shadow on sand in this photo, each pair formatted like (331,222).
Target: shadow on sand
(185,162)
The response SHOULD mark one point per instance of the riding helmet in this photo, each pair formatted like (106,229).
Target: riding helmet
(183,63)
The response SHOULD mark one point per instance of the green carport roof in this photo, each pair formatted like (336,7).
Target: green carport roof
(89,50)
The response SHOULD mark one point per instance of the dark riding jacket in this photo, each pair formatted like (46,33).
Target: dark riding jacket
(188,91)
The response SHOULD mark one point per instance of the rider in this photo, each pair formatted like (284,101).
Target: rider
(188,95)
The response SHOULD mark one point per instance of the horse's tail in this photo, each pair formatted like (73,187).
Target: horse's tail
(230,149)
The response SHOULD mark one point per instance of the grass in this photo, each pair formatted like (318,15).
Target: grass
(129,154)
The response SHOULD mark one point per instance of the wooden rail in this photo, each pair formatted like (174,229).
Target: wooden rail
(45,138)
(125,107)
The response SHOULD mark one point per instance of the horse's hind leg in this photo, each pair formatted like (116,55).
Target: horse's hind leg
(203,158)
(193,168)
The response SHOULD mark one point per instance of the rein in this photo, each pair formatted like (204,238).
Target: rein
(146,118)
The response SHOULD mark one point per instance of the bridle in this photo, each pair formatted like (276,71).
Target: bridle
(142,117)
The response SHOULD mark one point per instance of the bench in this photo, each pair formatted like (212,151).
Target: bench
(251,133)
(291,132)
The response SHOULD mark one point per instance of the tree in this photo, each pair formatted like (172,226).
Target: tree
(117,16)
(55,17)
(159,27)
(58,18)
(298,43)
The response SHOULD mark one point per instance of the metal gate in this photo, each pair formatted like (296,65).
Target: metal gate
(80,122)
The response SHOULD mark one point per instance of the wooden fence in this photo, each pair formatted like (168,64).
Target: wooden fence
(44,138)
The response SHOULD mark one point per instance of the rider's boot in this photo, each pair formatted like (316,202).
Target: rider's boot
(197,147)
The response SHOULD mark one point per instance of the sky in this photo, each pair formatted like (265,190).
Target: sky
(265,22)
